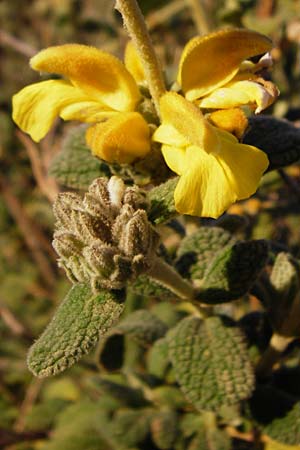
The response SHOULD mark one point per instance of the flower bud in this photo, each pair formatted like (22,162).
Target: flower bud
(104,239)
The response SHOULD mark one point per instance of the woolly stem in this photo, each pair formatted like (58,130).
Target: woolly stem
(165,275)
(277,345)
(137,30)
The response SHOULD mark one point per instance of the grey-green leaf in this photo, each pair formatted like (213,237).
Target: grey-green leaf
(278,138)
(197,250)
(164,429)
(162,206)
(281,421)
(75,166)
(233,271)
(148,288)
(283,305)
(211,362)
(75,328)
(143,326)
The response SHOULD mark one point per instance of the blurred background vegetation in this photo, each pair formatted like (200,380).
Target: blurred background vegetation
(30,283)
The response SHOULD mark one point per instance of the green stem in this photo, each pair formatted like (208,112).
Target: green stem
(137,30)
(165,275)
(277,345)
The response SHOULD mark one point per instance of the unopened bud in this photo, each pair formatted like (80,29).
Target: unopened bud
(104,238)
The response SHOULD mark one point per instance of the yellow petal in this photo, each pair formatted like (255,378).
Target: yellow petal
(175,158)
(100,75)
(87,111)
(167,134)
(238,93)
(133,63)
(36,106)
(203,190)
(232,120)
(212,182)
(188,120)
(123,138)
(244,166)
(211,61)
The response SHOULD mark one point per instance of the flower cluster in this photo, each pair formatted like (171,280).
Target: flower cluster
(105,238)
(200,124)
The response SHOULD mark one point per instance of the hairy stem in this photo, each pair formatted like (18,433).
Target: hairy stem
(137,30)
(277,345)
(165,275)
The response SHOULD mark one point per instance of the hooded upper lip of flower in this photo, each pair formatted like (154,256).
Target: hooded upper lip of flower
(212,70)
(96,87)
(215,169)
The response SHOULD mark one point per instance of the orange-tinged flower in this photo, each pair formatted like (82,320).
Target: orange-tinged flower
(215,169)
(97,87)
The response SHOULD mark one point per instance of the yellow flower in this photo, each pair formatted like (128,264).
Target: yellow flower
(97,87)
(214,74)
(215,169)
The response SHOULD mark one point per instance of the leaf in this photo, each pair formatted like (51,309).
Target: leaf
(197,250)
(147,287)
(272,445)
(157,358)
(81,426)
(74,330)
(164,429)
(126,395)
(143,326)
(233,271)
(281,421)
(74,166)
(211,362)
(284,303)
(207,435)
(162,206)
(207,439)
(130,427)
(278,138)
(286,429)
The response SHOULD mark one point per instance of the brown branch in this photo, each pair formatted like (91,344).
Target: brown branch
(29,400)
(47,185)
(265,8)
(34,238)
(161,15)
(200,16)
(15,326)
(16,44)
(8,437)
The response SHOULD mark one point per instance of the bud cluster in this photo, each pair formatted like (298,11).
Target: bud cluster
(105,237)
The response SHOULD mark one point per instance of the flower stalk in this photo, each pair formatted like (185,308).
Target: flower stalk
(277,345)
(165,275)
(137,30)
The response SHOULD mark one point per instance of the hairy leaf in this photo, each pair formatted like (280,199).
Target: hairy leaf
(74,166)
(233,271)
(197,250)
(280,422)
(164,429)
(162,206)
(74,330)
(278,138)
(147,287)
(143,326)
(211,362)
